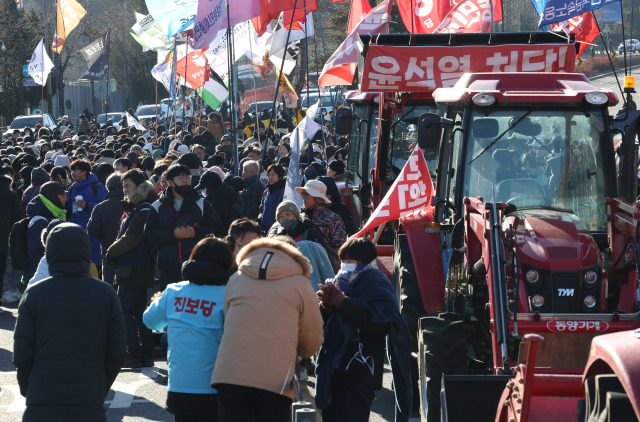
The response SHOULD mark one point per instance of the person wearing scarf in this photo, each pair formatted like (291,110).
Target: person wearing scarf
(361,316)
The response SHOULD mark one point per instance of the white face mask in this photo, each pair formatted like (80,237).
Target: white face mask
(348,267)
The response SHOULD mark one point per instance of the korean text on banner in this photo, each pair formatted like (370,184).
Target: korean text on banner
(150,35)
(560,10)
(69,13)
(173,16)
(584,26)
(468,16)
(407,68)
(412,191)
(207,22)
(40,65)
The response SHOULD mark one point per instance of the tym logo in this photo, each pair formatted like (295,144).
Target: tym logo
(565,292)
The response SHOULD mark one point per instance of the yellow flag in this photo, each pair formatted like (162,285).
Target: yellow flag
(69,14)
(285,85)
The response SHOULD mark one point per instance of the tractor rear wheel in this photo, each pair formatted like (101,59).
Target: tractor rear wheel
(442,349)
(606,400)
(409,301)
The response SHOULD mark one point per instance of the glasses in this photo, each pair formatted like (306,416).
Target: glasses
(182,178)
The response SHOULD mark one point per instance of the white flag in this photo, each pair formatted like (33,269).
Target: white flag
(131,121)
(162,73)
(40,65)
(305,130)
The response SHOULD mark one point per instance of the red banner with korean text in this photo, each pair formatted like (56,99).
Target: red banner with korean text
(468,16)
(425,68)
(584,26)
(411,192)
(194,68)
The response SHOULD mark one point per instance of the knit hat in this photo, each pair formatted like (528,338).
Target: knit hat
(62,161)
(337,166)
(288,206)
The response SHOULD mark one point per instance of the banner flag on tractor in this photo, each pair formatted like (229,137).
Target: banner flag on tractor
(359,9)
(468,16)
(97,56)
(132,122)
(214,91)
(305,130)
(40,65)
(173,16)
(552,11)
(412,191)
(69,14)
(584,26)
(341,66)
(149,34)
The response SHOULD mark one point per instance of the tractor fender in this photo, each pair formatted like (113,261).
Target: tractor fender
(424,243)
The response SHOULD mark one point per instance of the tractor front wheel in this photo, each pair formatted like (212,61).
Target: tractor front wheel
(442,349)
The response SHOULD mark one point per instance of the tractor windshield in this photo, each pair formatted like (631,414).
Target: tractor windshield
(539,159)
(405,137)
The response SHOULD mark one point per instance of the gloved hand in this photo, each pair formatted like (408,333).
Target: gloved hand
(330,296)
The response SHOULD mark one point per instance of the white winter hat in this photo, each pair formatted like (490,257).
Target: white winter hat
(315,188)
(183,149)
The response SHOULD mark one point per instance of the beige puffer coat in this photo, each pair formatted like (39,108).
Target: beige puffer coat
(271,318)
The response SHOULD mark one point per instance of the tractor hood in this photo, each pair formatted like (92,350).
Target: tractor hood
(552,239)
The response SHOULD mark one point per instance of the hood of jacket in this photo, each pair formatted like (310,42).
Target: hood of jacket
(144,192)
(39,176)
(91,178)
(5,186)
(37,207)
(62,259)
(204,273)
(271,259)
(223,191)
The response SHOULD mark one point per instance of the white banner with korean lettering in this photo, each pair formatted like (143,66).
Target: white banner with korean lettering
(399,68)
(40,65)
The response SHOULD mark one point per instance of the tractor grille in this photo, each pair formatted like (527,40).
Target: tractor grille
(566,292)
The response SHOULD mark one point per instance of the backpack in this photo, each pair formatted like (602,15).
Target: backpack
(18,252)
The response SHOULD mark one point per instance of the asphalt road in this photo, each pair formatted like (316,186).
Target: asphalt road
(137,394)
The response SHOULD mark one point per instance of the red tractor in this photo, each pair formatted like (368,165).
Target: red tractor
(534,230)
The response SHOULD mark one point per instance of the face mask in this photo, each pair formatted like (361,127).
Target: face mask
(183,190)
(288,224)
(347,267)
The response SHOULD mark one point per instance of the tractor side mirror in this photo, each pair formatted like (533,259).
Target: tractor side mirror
(429,129)
(343,121)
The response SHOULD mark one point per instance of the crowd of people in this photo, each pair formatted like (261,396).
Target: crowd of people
(168,248)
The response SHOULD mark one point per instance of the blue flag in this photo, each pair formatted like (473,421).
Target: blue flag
(173,16)
(552,11)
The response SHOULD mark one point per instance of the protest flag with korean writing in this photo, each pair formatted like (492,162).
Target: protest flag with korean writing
(560,10)
(359,9)
(271,9)
(584,26)
(193,68)
(468,16)
(340,69)
(149,34)
(40,65)
(97,56)
(173,16)
(208,21)
(412,191)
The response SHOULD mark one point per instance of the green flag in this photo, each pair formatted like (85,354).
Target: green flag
(214,91)
(150,35)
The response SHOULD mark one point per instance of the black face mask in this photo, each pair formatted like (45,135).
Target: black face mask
(183,190)
(289,224)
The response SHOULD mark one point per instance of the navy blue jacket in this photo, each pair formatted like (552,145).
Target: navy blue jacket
(270,201)
(40,218)
(163,219)
(105,219)
(373,290)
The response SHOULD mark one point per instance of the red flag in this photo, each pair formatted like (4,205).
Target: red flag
(341,66)
(497,10)
(412,191)
(584,26)
(423,16)
(359,8)
(270,9)
(193,68)
(336,1)
(470,16)
(298,20)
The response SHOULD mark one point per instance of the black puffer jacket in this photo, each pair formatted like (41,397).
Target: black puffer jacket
(69,340)
(10,212)
(105,219)
(336,206)
(39,177)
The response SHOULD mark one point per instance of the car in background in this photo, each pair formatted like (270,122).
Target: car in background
(149,112)
(115,118)
(632,46)
(312,98)
(259,107)
(30,121)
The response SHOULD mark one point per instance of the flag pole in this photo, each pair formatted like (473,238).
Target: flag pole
(232,94)
(42,86)
(108,74)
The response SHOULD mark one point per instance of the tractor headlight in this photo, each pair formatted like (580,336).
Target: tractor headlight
(537,301)
(590,277)
(483,99)
(590,301)
(532,276)
(596,98)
